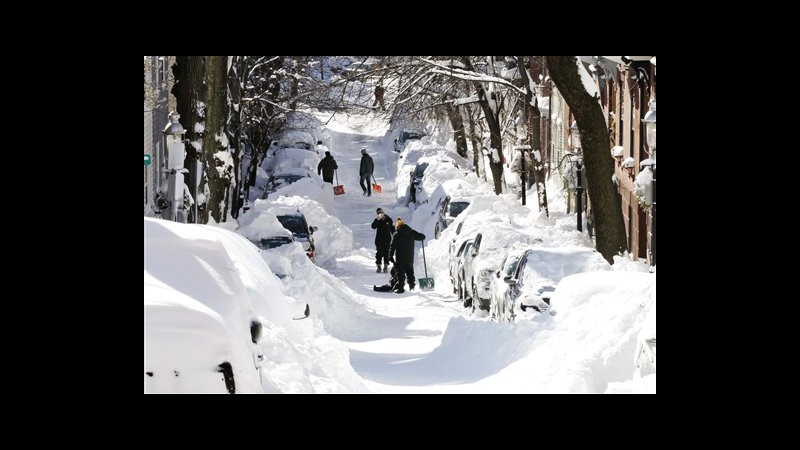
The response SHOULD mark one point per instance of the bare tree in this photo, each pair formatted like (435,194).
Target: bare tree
(190,95)
(533,117)
(599,167)
(216,154)
(491,105)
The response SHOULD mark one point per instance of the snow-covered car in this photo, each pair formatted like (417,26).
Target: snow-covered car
(416,180)
(457,247)
(539,271)
(460,278)
(645,356)
(284,177)
(447,211)
(406,135)
(300,139)
(499,287)
(291,158)
(189,348)
(296,223)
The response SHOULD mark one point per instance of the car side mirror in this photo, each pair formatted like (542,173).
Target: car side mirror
(497,273)
(509,281)
(313,229)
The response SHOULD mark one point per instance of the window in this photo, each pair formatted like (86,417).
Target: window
(162,68)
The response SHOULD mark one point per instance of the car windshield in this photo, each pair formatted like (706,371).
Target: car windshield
(294,224)
(286,179)
(420,170)
(411,135)
(275,241)
(457,207)
(511,266)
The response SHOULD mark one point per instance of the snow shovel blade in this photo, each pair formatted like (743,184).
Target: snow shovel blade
(426,284)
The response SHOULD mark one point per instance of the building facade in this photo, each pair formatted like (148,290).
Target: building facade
(625,85)
(156,112)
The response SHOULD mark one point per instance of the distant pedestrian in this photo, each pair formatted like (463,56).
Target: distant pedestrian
(326,167)
(401,252)
(383,239)
(379,96)
(365,172)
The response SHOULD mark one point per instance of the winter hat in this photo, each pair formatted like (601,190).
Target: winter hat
(327,153)
(378,211)
(364,151)
(400,222)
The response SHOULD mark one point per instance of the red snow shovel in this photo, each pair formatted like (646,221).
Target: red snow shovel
(338,189)
(426,284)
(375,186)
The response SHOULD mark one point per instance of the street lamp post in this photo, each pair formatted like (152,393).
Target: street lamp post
(174,136)
(523,175)
(650,123)
(576,144)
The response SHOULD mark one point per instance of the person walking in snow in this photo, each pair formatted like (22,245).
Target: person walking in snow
(365,172)
(383,239)
(401,253)
(379,96)
(326,167)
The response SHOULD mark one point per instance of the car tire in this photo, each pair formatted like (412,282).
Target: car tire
(467,302)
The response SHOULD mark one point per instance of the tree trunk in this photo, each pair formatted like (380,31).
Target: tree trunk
(493,121)
(477,150)
(295,84)
(457,122)
(188,71)
(533,117)
(598,164)
(219,172)
(235,84)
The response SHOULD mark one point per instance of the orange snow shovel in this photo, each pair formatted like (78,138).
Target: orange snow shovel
(375,186)
(338,189)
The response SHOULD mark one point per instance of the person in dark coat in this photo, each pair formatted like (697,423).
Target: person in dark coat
(379,90)
(401,253)
(365,172)
(383,239)
(326,167)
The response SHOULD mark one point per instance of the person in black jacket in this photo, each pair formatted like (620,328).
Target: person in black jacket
(401,253)
(326,167)
(383,239)
(365,172)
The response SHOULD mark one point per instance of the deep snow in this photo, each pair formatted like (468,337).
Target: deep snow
(358,340)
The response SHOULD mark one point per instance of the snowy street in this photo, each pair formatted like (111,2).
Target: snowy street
(250,305)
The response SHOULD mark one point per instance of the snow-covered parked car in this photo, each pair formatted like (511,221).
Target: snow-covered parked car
(202,327)
(284,178)
(300,139)
(190,348)
(539,271)
(406,135)
(645,355)
(291,158)
(499,287)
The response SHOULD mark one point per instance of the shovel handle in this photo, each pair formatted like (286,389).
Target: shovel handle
(424,264)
